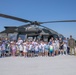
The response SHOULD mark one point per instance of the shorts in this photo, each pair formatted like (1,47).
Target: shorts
(24,50)
(29,51)
(33,51)
(61,47)
(56,48)
(46,50)
(40,50)
(36,52)
(3,51)
(21,51)
(13,51)
(51,51)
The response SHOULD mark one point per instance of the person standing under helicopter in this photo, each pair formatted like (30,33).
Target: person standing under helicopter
(61,45)
(71,44)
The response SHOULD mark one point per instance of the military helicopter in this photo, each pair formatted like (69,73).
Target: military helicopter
(32,26)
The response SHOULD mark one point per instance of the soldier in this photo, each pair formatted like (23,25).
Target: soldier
(71,44)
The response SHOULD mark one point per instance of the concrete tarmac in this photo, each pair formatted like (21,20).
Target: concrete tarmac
(58,65)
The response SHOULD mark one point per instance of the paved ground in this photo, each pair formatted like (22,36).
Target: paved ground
(59,65)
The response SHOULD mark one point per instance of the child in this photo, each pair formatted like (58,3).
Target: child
(40,49)
(36,50)
(24,50)
(0,49)
(18,50)
(61,46)
(46,49)
(33,50)
(51,52)
(43,48)
(21,49)
(30,49)
(3,49)
(56,46)
(65,48)
(13,47)
(8,52)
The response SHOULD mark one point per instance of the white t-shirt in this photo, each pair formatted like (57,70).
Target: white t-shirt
(43,47)
(36,48)
(65,46)
(30,47)
(21,47)
(54,46)
(24,49)
(20,41)
(40,46)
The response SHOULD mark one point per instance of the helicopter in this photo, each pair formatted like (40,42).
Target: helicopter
(33,27)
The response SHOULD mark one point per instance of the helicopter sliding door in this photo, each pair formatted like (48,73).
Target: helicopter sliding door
(22,36)
(12,36)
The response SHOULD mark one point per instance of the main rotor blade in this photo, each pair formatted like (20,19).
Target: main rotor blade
(14,18)
(58,21)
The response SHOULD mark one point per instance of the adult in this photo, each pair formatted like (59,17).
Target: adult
(61,45)
(51,40)
(68,49)
(56,46)
(65,46)
(71,44)
(20,41)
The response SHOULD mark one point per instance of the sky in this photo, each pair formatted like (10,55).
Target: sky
(41,10)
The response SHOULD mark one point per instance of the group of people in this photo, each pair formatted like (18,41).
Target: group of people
(32,48)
